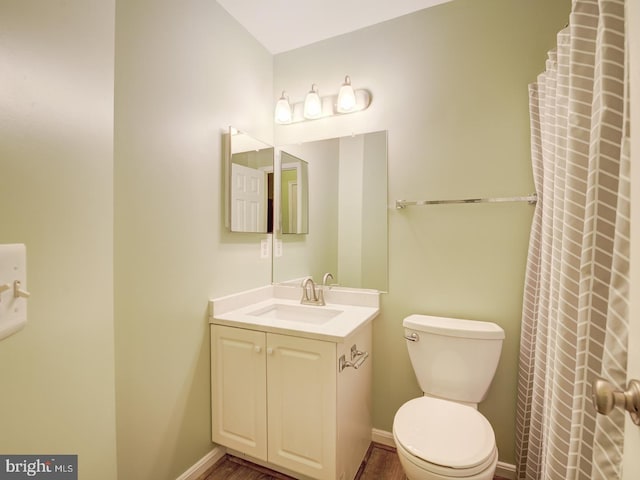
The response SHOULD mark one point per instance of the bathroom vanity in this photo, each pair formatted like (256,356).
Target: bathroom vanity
(290,383)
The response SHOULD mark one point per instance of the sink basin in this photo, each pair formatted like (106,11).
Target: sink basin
(277,309)
(297,313)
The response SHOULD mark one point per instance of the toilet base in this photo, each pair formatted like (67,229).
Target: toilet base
(416,469)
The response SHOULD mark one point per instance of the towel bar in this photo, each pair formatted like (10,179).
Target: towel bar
(531,199)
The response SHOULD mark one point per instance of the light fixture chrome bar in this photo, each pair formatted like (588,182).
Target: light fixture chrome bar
(530,199)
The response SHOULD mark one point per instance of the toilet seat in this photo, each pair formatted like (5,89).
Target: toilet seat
(484,471)
(445,437)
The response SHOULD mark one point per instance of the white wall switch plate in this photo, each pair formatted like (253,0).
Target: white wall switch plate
(13,296)
(278,248)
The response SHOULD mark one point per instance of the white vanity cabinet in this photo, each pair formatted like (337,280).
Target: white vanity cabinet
(281,399)
(238,386)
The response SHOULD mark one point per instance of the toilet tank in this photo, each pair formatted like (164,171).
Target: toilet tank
(452,358)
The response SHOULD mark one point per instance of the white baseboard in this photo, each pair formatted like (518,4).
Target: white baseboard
(505,470)
(383,437)
(204,464)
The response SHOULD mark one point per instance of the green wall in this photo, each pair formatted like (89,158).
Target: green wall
(185,71)
(56,191)
(122,216)
(122,212)
(449,83)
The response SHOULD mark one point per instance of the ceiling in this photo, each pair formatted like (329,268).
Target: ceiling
(282,25)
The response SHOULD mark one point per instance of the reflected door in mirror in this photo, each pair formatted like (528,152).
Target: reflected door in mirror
(294,194)
(248,184)
(248,199)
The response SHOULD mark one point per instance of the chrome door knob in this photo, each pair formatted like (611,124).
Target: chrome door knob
(606,397)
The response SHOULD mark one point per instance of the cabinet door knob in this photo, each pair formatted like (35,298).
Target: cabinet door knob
(270,351)
(257,348)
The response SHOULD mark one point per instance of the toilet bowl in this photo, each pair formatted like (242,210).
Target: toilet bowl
(442,435)
(438,439)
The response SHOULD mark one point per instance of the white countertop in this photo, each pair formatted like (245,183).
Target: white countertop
(356,307)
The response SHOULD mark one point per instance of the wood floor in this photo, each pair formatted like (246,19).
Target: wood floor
(380,463)
(233,468)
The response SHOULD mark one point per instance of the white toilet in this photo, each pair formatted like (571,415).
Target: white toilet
(441,435)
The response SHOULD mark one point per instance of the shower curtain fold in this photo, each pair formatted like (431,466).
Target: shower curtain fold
(574,318)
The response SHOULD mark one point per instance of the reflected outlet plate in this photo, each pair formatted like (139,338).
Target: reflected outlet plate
(264,248)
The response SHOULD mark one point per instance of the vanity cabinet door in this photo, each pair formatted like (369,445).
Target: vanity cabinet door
(302,405)
(238,386)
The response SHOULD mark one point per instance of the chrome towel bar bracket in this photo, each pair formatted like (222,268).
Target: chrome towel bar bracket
(357,359)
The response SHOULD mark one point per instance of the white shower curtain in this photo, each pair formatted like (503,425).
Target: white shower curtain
(574,325)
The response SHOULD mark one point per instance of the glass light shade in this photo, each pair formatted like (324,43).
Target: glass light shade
(283,110)
(346,97)
(312,104)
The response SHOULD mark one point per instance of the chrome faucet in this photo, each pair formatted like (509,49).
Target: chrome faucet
(310,294)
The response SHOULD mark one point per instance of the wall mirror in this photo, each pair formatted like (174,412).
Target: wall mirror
(249,186)
(347,213)
(294,194)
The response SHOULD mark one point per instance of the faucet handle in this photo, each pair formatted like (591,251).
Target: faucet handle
(325,279)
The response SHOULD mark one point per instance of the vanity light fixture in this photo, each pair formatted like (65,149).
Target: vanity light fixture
(346,97)
(312,104)
(347,101)
(283,110)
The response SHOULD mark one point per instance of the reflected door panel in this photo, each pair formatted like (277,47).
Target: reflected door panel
(248,183)
(249,199)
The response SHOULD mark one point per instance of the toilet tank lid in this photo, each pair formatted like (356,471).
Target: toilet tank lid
(454,327)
